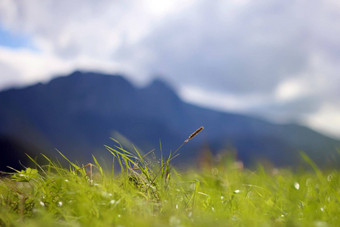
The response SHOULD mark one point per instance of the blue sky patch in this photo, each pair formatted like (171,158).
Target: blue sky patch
(14,40)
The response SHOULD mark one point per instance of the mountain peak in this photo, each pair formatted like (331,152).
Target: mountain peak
(159,82)
(160,86)
(91,78)
(79,73)
(76,73)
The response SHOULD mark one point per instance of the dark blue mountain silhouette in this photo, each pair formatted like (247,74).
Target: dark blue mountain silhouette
(78,113)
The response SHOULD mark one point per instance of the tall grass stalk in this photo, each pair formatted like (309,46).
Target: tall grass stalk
(144,195)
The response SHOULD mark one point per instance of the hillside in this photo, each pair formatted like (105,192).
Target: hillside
(78,113)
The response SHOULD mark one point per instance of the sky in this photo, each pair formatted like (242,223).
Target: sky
(278,60)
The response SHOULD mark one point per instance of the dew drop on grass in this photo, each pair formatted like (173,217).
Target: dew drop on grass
(235,218)
(237,191)
(175,221)
(320,224)
(106,195)
(329,177)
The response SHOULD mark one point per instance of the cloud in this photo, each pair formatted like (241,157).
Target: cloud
(26,66)
(97,31)
(326,120)
(278,59)
(84,27)
(22,66)
(241,48)
(222,101)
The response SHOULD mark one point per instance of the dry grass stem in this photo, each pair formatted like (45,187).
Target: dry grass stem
(89,173)
(194,134)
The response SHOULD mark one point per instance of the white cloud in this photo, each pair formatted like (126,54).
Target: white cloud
(28,66)
(221,101)
(279,59)
(290,89)
(85,34)
(326,120)
(23,66)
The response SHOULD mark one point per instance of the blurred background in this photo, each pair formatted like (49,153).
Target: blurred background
(277,61)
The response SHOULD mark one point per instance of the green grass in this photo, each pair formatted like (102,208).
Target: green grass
(142,194)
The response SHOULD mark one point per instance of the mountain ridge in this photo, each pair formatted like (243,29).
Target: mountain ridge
(78,113)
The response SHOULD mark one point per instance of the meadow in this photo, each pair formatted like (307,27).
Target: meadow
(148,193)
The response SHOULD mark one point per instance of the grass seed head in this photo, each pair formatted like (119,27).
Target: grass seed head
(194,134)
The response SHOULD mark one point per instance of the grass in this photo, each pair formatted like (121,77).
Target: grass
(145,194)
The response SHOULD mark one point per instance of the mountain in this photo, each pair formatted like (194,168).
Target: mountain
(78,113)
